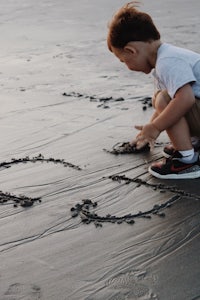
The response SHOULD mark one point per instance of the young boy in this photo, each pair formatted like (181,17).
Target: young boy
(135,41)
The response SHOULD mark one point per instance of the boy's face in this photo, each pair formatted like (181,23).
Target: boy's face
(134,55)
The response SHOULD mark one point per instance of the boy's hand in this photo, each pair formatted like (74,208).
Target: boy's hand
(139,142)
(148,134)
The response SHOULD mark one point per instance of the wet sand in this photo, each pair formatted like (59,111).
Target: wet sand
(65,98)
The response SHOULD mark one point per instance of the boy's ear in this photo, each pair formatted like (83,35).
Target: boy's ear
(130,49)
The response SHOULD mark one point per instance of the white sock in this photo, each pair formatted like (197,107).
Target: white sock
(188,155)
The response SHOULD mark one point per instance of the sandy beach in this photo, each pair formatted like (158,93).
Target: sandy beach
(64,100)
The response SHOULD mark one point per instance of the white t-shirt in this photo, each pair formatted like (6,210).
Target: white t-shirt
(176,67)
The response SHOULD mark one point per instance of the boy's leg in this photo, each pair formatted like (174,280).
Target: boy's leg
(179,134)
(184,163)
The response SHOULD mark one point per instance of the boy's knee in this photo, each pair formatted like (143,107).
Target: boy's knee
(160,100)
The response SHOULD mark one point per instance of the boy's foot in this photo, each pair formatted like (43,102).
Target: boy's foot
(174,168)
(169,151)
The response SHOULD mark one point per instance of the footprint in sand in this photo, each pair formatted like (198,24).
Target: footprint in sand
(136,285)
(18,291)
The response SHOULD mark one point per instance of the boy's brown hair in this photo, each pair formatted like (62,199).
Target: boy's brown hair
(129,25)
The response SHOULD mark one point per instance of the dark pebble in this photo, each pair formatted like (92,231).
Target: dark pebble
(119,99)
(87,201)
(26,203)
(156,206)
(119,221)
(74,214)
(130,222)
(162,215)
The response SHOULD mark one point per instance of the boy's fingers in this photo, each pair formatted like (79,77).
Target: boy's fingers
(141,144)
(140,138)
(133,142)
(141,141)
(138,127)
